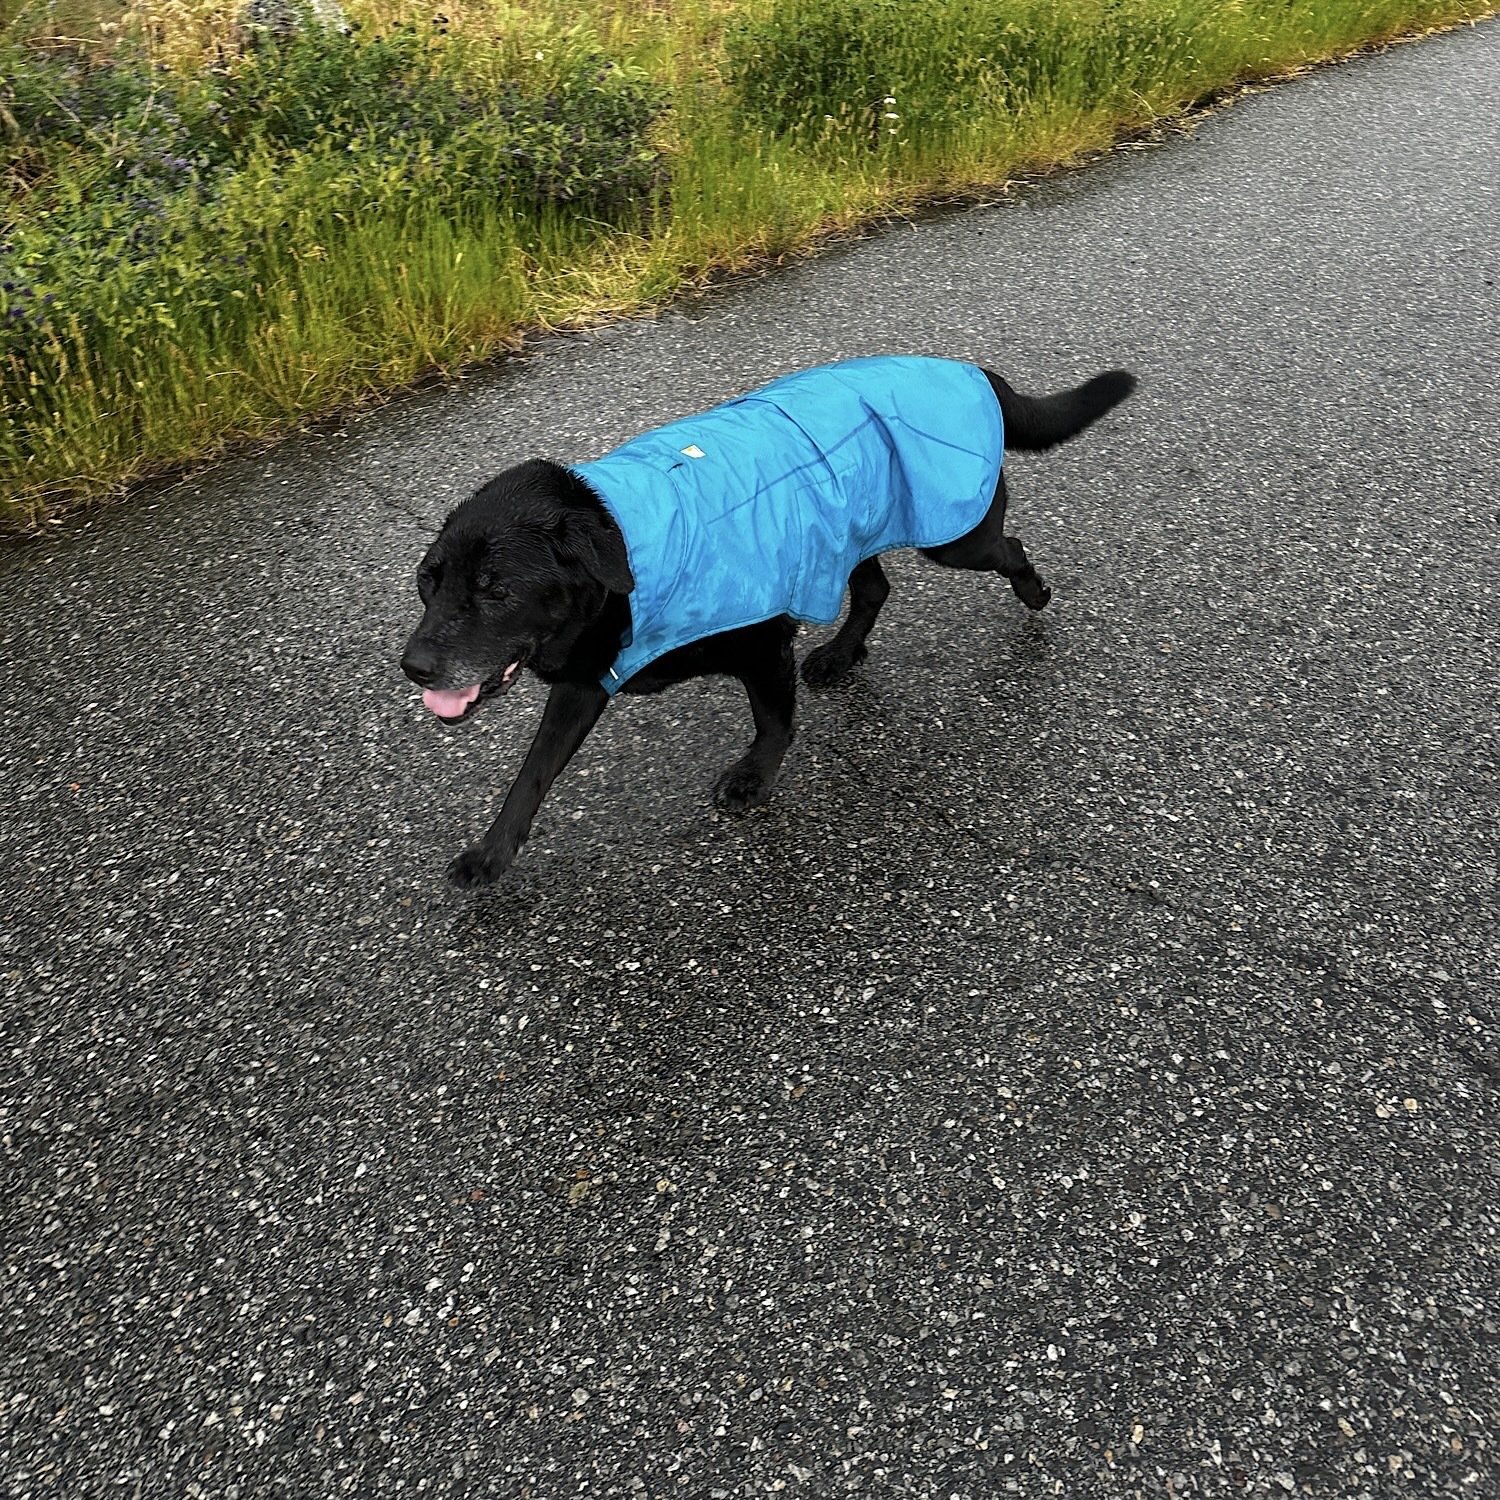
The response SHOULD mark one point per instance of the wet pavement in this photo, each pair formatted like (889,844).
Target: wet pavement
(1078,1081)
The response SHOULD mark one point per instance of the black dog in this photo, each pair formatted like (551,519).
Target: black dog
(533,571)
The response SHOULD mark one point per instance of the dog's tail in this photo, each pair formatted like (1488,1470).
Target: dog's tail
(1036,423)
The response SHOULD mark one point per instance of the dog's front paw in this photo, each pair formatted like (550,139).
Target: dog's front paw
(743,786)
(479,864)
(829,665)
(1031,591)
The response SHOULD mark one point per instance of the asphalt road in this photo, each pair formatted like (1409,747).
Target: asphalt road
(1078,1082)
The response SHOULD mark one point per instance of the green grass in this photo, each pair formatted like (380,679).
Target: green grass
(367,269)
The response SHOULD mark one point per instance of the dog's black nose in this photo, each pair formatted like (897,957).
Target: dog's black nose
(420,665)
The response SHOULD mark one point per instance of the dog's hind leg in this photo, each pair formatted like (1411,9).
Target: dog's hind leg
(1028,584)
(763,662)
(986,549)
(832,661)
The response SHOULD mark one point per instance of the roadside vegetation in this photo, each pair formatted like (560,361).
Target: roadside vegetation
(219,220)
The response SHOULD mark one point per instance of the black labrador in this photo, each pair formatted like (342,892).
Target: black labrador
(532,572)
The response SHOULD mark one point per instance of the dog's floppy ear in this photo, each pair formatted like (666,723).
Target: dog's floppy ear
(598,545)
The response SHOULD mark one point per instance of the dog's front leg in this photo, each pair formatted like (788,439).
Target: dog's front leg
(572,710)
(768,670)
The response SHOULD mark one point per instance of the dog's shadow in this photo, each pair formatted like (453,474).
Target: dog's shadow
(881,763)
(959,729)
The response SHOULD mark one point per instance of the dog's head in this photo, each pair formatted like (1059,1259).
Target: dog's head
(516,574)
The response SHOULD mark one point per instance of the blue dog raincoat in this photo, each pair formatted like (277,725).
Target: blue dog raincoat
(764,505)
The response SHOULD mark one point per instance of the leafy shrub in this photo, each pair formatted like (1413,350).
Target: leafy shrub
(53,99)
(574,133)
(319,82)
(137,197)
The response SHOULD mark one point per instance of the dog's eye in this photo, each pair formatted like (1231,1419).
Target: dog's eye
(427,581)
(489,583)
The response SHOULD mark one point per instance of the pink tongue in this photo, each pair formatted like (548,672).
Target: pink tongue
(448,705)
